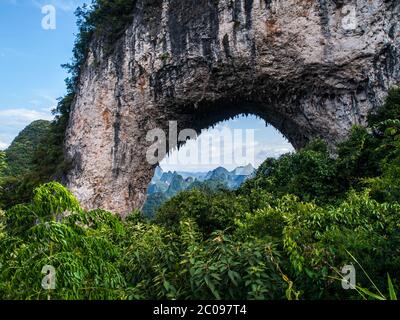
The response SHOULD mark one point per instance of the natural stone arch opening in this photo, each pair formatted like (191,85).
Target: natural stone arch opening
(222,156)
(235,142)
(290,62)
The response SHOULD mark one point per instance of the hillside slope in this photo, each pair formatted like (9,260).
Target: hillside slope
(19,155)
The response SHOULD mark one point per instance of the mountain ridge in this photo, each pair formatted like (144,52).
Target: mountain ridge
(165,185)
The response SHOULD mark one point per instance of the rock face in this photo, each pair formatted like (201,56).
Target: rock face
(311,68)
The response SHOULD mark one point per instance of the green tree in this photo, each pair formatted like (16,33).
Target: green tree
(389,110)
(210,210)
(310,174)
(21,151)
(3,164)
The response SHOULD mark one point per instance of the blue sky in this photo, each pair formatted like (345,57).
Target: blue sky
(31,77)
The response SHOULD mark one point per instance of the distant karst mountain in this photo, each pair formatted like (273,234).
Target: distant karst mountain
(165,185)
(19,155)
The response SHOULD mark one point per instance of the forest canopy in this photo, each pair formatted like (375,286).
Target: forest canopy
(285,234)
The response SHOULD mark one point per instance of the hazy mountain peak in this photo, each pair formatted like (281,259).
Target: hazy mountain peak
(165,185)
(244,170)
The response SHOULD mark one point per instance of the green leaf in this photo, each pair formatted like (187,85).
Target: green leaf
(371,294)
(231,275)
(392,292)
(212,287)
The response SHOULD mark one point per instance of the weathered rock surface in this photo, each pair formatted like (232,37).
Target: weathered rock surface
(298,64)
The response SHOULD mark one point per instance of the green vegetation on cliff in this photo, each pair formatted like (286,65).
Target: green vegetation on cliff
(43,159)
(285,234)
(282,235)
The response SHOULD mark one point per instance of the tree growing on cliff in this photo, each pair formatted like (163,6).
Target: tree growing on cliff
(3,166)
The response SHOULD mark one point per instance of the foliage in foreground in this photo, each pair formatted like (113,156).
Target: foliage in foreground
(98,256)
(283,235)
(285,249)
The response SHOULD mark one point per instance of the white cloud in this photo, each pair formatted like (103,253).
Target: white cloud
(272,151)
(19,117)
(12,121)
(3,145)
(64,5)
(11,52)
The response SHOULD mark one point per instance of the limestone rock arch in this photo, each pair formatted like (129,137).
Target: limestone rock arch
(298,64)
